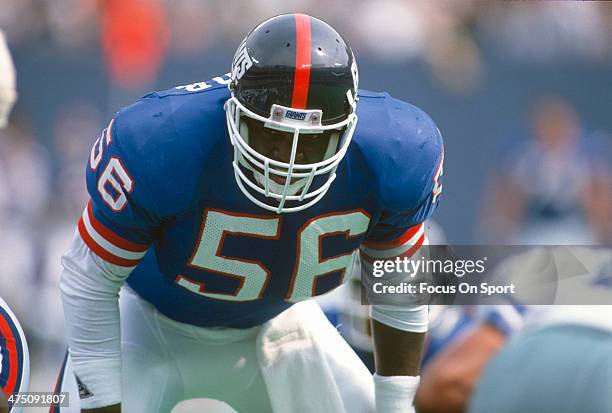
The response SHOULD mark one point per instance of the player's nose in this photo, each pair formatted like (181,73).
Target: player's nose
(282,150)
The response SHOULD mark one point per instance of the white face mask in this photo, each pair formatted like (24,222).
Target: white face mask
(298,177)
(8,91)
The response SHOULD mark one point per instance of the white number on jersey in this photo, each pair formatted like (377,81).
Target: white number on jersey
(196,87)
(253,275)
(114,175)
(310,266)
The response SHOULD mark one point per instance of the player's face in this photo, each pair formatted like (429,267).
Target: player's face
(277,145)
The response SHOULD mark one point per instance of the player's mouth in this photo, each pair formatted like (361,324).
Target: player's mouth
(279,179)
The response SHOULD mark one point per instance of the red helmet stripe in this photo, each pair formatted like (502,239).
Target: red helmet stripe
(302,61)
(11,347)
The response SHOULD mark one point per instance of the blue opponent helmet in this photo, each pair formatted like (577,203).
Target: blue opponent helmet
(14,356)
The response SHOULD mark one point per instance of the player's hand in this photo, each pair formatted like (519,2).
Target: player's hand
(116,408)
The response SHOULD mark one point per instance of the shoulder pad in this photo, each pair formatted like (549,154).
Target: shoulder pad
(218,82)
(402,147)
(167,138)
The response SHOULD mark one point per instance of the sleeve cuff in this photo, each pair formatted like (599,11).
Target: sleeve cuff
(414,318)
(99,382)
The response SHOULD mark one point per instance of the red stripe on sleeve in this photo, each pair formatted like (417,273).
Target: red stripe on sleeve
(302,61)
(414,248)
(11,347)
(408,253)
(396,242)
(58,383)
(101,252)
(110,236)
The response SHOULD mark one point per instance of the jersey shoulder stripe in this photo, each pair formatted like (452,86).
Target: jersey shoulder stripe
(404,246)
(106,244)
(406,237)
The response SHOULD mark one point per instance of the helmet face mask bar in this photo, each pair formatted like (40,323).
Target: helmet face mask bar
(267,97)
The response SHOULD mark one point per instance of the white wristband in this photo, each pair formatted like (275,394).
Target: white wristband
(395,394)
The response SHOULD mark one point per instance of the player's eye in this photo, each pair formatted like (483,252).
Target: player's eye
(268,137)
(313,138)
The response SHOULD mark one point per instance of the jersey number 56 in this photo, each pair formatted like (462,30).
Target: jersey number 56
(253,275)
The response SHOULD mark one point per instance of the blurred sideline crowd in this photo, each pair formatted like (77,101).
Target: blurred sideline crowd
(135,35)
(552,186)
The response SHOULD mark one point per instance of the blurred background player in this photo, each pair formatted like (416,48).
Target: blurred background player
(14,359)
(553,188)
(7,99)
(453,376)
(560,362)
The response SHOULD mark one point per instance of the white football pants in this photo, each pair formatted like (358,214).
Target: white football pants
(295,363)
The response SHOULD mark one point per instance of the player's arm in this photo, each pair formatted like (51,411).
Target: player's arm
(398,352)
(450,378)
(398,358)
(90,290)
(407,193)
(597,202)
(398,332)
(398,327)
(112,237)
(448,381)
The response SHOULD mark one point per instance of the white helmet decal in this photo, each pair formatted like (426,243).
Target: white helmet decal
(242,61)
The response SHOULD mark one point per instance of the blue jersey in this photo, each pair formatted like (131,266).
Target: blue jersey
(164,200)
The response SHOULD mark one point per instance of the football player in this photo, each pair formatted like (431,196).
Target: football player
(225,206)
(560,362)
(455,373)
(14,359)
